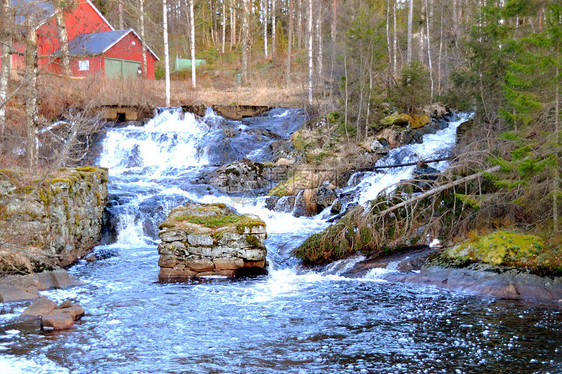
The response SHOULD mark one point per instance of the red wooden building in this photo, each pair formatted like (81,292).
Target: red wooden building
(96,48)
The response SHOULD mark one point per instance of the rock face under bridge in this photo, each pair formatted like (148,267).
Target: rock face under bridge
(201,240)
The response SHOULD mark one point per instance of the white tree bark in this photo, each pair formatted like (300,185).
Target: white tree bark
(319,49)
(121,16)
(232,24)
(388,44)
(310,51)
(273,29)
(31,96)
(63,40)
(394,39)
(423,17)
(143,37)
(223,27)
(5,70)
(410,24)
(166,50)
(265,15)
(429,7)
(246,43)
(289,44)
(299,23)
(192,44)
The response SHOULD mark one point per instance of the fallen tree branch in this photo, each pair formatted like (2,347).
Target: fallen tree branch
(411,163)
(438,190)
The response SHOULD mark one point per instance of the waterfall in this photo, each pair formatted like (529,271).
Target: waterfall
(151,169)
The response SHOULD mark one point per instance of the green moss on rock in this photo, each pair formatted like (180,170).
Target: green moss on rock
(506,248)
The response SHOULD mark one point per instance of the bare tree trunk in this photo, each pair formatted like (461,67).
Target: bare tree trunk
(440,57)
(429,60)
(290,43)
(333,32)
(388,46)
(30,77)
(273,29)
(192,46)
(319,50)
(394,39)
(437,190)
(232,24)
(310,54)
(299,23)
(265,15)
(143,36)
(5,62)
(223,26)
(423,21)
(166,50)
(410,24)
(63,39)
(246,43)
(121,18)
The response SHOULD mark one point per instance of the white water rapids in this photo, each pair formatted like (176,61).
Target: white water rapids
(290,321)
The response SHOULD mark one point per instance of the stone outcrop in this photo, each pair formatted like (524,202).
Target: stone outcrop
(201,240)
(50,222)
(50,315)
(239,176)
(26,287)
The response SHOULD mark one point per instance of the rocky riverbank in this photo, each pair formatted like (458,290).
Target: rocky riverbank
(425,267)
(50,222)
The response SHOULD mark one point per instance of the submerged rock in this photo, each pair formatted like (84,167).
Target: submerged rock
(203,240)
(49,315)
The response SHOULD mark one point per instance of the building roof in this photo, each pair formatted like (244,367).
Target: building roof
(36,11)
(39,11)
(98,42)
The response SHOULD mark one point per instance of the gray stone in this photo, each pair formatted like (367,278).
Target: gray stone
(200,240)
(173,235)
(378,148)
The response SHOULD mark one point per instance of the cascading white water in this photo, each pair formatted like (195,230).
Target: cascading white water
(288,322)
(146,163)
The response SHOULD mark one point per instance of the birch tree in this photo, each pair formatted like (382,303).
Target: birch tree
(273,29)
(223,27)
(166,49)
(5,62)
(410,25)
(30,77)
(143,37)
(63,39)
(245,42)
(289,44)
(310,51)
(192,44)
(264,17)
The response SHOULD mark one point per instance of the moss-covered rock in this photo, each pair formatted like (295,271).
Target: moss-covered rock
(506,248)
(59,215)
(210,239)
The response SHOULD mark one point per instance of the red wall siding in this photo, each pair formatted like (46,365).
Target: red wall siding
(82,19)
(130,48)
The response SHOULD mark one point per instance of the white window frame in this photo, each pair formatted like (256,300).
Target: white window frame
(83,65)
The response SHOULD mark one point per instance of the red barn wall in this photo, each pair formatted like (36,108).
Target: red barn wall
(130,48)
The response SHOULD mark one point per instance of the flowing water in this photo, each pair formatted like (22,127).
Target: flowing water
(292,320)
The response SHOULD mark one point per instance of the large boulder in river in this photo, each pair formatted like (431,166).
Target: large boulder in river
(201,240)
(239,176)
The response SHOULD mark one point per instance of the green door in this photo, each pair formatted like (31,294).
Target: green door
(121,69)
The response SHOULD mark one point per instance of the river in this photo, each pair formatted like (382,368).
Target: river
(290,321)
